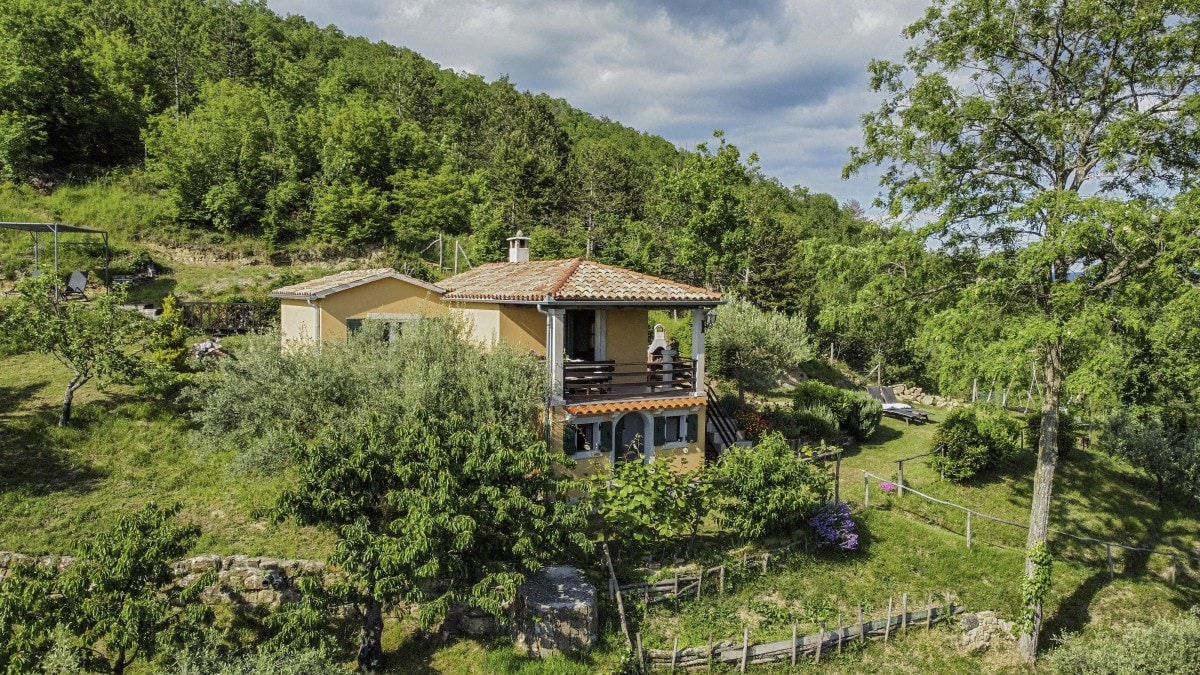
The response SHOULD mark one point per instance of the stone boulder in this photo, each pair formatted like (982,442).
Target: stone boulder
(556,612)
(981,628)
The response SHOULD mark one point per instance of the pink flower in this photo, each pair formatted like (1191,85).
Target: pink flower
(887,487)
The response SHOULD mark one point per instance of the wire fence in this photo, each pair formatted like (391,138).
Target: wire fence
(971,519)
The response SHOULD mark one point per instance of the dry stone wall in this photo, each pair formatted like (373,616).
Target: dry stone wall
(243,580)
(917,396)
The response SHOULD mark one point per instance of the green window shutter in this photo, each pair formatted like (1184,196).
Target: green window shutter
(606,437)
(352,325)
(693,428)
(569,439)
(660,430)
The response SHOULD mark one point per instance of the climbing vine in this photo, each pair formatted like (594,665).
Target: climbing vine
(1036,586)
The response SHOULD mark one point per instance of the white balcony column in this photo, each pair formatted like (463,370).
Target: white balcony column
(554,354)
(699,314)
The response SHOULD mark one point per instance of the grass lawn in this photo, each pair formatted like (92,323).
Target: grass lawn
(918,547)
(59,486)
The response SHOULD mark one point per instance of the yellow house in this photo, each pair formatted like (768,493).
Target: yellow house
(617,391)
(331,307)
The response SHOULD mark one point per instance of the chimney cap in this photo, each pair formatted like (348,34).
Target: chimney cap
(520,236)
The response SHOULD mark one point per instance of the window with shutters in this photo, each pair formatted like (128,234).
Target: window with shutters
(587,438)
(676,430)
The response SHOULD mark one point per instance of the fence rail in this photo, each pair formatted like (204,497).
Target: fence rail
(224,318)
(745,653)
(970,514)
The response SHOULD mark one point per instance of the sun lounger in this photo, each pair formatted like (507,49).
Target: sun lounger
(894,408)
(76,284)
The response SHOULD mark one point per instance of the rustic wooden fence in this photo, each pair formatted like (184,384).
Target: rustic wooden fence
(745,653)
(971,516)
(225,318)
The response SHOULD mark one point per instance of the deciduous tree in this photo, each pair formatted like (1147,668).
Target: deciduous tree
(99,339)
(1049,140)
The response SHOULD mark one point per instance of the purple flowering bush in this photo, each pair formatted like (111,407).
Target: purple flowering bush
(835,527)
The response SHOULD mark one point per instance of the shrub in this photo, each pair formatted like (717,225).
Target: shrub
(864,417)
(647,504)
(974,439)
(834,527)
(1168,646)
(767,488)
(811,392)
(815,422)
(854,412)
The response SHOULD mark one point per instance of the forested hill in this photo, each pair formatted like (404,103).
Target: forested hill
(257,126)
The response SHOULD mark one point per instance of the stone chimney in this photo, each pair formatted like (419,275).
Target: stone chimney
(518,248)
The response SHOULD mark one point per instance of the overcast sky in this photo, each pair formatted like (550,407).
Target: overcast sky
(784,78)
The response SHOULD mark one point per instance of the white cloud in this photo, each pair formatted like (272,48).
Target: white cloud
(784,78)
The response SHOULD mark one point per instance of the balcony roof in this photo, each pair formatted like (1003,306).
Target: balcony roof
(573,280)
(677,403)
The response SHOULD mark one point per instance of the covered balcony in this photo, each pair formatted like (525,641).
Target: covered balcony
(595,381)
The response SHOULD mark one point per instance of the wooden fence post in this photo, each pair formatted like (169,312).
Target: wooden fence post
(866,491)
(641,654)
(887,628)
(676,590)
(839,631)
(900,480)
(721,582)
(904,613)
(862,628)
(700,585)
(675,655)
(765,557)
(1111,568)
(745,647)
(837,479)
(820,643)
(1174,568)
(929,611)
(794,645)
(710,652)
(968,528)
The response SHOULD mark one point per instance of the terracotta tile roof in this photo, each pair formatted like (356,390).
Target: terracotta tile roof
(569,280)
(334,283)
(585,409)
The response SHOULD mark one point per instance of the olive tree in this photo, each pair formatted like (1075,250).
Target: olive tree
(439,487)
(1050,146)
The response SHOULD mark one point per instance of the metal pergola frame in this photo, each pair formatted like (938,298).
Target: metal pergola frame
(56,229)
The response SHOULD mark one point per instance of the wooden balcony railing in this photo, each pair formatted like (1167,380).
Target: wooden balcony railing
(591,381)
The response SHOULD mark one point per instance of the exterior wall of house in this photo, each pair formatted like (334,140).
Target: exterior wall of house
(385,296)
(626,335)
(297,321)
(683,457)
(523,327)
(483,320)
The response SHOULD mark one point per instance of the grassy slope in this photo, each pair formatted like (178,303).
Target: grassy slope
(57,486)
(915,547)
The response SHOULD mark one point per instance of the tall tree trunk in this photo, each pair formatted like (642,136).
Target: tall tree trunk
(1043,483)
(370,647)
(64,416)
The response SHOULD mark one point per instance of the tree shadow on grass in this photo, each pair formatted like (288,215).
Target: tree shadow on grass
(1074,612)
(32,460)
(12,397)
